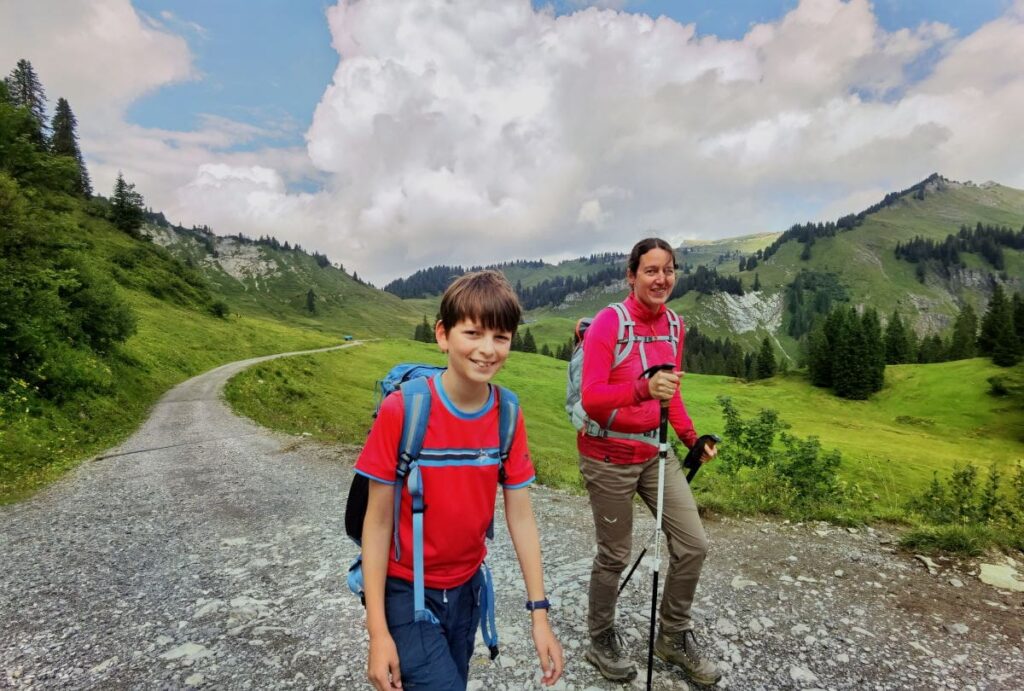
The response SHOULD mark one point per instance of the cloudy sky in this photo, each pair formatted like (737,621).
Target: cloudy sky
(396,134)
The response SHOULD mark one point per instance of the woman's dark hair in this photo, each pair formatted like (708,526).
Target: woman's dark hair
(643,247)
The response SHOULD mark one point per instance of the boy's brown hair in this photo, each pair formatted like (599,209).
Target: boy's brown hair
(485,297)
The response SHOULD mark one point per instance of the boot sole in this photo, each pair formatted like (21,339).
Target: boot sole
(610,676)
(697,679)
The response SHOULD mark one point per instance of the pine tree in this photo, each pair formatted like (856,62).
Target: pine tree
(529,344)
(734,365)
(545,350)
(757,282)
(965,335)
(423,332)
(25,90)
(931,350)
(765,360)
(998,337)
(851,375)
(126,207)
(517,341)
(64,142)
(1018,319)
(819,357)
(311,301)
(897,345)
(874,355)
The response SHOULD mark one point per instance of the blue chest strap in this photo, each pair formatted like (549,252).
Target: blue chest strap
(416,399)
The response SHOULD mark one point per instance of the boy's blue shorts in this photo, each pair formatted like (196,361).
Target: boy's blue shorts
(431,656)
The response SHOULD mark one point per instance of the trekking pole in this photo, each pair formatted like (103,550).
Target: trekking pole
(650,372)
(662,456)
(693,464)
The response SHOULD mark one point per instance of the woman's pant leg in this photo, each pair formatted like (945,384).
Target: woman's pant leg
(611,488)
(687,541)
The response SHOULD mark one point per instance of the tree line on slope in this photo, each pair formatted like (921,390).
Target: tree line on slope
(848,351)
(987,241)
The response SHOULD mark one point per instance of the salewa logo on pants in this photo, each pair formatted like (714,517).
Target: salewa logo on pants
(610,520)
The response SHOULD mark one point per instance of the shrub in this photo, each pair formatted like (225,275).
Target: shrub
(220,309)
(997,386)
(959,539)
(988,512)
(808,474)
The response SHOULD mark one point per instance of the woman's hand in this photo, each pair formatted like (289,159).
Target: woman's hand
(664,384)
(710,451)
(382,667)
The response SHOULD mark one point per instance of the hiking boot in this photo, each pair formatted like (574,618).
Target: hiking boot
(607,654)
(681,649)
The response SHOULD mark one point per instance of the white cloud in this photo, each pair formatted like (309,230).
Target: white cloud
(481,130)
(100,55)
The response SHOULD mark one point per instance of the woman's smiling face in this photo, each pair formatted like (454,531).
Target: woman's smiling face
(654,278)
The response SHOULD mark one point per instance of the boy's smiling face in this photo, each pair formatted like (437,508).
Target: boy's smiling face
(475,354)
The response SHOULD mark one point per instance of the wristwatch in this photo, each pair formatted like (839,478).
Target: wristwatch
(538,604)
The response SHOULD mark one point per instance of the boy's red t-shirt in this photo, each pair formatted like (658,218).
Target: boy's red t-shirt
(459,465)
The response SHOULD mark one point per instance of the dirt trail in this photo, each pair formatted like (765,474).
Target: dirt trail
(206,551)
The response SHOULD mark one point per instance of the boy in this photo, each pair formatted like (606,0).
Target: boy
(479,315)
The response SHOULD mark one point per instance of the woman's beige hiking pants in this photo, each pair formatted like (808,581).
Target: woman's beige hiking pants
(611,487)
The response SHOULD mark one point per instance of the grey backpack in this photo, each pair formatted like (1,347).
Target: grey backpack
(624,341)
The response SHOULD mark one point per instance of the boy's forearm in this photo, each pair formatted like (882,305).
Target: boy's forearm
(522,527)
(376,543)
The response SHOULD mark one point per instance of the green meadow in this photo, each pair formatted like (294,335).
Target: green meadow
(40,440)
(928,417)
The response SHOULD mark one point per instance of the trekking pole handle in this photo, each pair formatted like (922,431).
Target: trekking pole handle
(654,369)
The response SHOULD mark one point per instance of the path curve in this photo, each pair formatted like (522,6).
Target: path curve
(206,551)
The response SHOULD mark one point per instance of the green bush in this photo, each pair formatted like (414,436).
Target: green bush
(959,539)
(959,509)
(997,386)
(800,474)
(220,309)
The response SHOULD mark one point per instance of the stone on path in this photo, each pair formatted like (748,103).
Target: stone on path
(931,565)
(739,583)
(802,675)
(1002,576)
(189,652)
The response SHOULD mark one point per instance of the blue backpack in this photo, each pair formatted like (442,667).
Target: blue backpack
(411,379)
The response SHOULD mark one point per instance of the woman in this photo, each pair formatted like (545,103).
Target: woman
(621,460)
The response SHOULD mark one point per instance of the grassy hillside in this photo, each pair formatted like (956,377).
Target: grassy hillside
(96,322)
(269,282)
(862,259)
(176,337)
(926,419)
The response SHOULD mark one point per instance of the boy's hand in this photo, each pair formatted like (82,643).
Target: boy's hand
(549,650)
(382,667)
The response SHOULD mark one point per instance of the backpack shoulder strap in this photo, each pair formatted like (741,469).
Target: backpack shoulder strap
(508,418)
(416,412)
(624,337)
(674,329)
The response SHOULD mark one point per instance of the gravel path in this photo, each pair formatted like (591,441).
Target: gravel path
(209,552)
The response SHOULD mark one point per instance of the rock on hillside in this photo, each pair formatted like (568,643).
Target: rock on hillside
(738,314)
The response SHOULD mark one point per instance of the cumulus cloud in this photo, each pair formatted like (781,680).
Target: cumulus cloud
(100,55)
(490,126)
(478,130)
